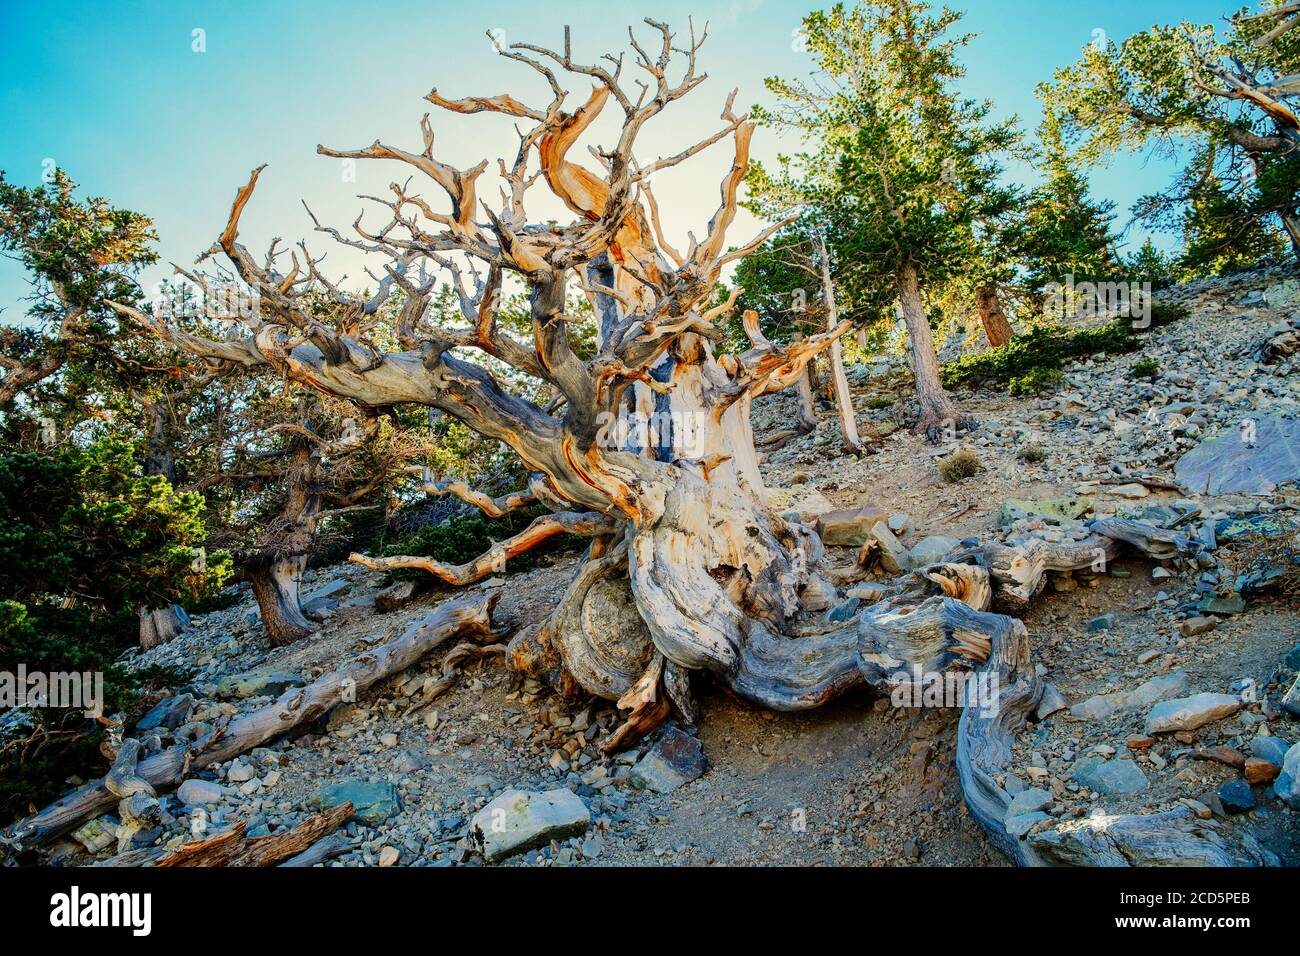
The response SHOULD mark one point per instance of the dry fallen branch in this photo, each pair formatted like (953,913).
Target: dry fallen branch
(464,617)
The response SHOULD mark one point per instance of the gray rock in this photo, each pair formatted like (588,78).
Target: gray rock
(1102,623)
(168,713)
(1287,784)
(1110,776)
(1029,801)
(1236,796)
(518,821)
(200,793)
(843,611)
(1189,713)
(1272,749)
(1292,659)
(373,802)
(676,759)
(893,556)
(1291,699)
(1021,824)
(1051,702)
(931,550)
(1052,510)
(1103,706)
(1237,462)
(256,684)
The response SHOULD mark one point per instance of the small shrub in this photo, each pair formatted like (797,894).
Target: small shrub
(1036,381)
(877,402)
(1032,453)
(960,465)
(1145,368)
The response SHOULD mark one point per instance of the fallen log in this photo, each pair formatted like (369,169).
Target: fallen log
(320,851)
(464,617)
(234,848)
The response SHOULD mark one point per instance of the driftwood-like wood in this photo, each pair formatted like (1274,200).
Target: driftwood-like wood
(469,616)
(321,851)
(1021,570)
(1173,838)
(234,848)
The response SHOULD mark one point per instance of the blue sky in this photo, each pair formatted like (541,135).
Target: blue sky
(115,94)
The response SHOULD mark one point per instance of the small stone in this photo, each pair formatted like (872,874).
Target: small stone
(1237,797)
(1019,825)
(1197,625)
(1051,702)
(240,773)
(389,856)
(1272,749)
(1259,770)
(1224,605)
(388,740)
(1161,574)
(256,684)
(373,802)
(169,713)
(1103,622)
(1146,657)
(1228,756)
(1110,776)
(1104,706)
(1029,801)
(893,556)
(199,793)
(931,550)
(1133,490)
(97,834)
(676,758)
(1138,742)
(1189,713)
(850,527)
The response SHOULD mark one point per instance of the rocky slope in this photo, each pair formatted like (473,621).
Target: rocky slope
(860,782)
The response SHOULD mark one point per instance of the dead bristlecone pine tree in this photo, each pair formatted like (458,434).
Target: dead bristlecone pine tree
(648,448)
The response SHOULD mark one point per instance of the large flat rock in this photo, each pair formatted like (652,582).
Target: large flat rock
(518,821)
(1239,461)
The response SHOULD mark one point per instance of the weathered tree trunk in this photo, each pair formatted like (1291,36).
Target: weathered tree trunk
(277,586)
(938,413)
(839,381)
(989,308)
(1292,226)
(276,574)
(161,625)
